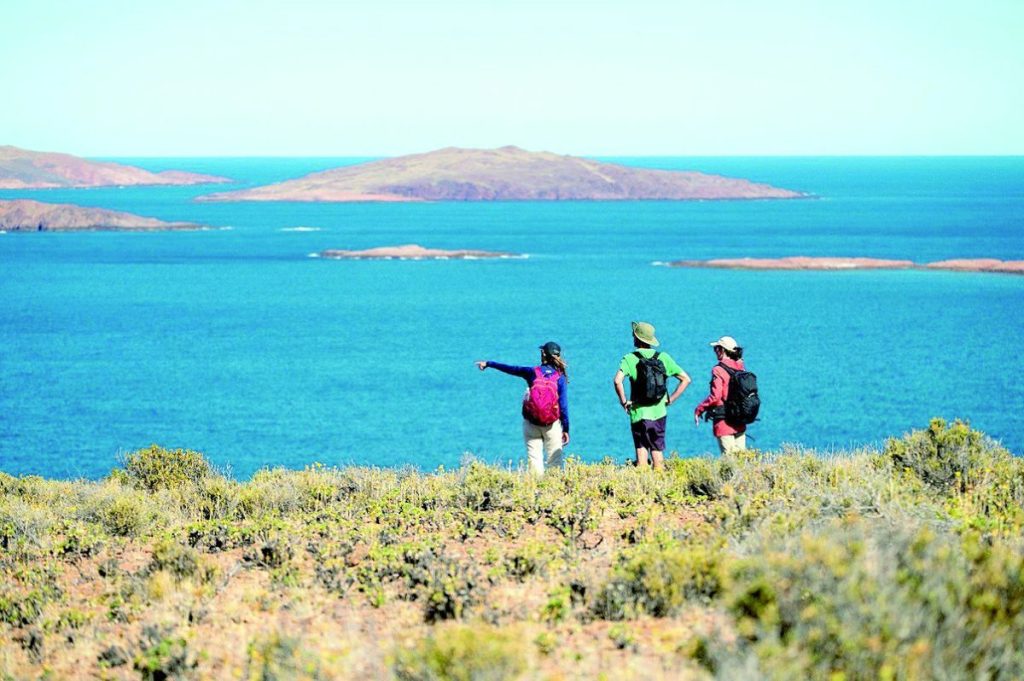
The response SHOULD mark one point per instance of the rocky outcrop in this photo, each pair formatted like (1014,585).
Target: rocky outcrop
(35,216)
(24,169)
(798,263)
(807,263)
(505,174)
(412,252)
(979,265)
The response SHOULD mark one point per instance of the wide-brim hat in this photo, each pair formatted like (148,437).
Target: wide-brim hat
(726,343)
(645,332)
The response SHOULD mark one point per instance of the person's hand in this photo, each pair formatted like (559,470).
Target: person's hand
(696,418)
(565,438)
(481,365)
(627,405)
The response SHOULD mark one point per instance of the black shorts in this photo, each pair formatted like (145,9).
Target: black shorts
(649,435)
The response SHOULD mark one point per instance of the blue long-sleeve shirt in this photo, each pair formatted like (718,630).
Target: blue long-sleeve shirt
(527,374)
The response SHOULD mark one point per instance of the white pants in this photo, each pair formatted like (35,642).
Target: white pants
(732,443)
(539,438)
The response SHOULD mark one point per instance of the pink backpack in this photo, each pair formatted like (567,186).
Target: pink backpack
(541,402)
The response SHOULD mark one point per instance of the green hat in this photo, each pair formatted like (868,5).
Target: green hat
(645,332)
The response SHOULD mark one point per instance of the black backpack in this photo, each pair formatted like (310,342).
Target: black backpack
(743,403)
(648,387)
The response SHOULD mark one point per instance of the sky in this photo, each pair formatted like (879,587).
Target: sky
(378,78)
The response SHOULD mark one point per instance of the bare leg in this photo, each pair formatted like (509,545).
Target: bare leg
(658,459)
(641,457)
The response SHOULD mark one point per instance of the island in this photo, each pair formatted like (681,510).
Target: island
(797,263)
(979,265)
(24,169)
(841,263)
(505,174)
(412,252)
(23,215)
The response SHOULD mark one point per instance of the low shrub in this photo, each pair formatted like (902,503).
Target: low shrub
(944,455)
(868,602)
(155,468)
(164,654)
(657,578)
(80,540)
(279,656)
(180,561)
(123,515)
(450,589)
(463,653)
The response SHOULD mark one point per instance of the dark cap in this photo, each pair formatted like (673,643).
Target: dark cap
(552,349)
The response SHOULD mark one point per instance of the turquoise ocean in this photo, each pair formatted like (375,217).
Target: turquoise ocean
(237,343)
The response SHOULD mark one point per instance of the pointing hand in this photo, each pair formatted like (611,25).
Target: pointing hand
(481,365)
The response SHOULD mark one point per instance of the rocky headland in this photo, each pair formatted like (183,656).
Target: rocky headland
(35,216)
(412,252)
(24,169)
(505,174)
(840,263)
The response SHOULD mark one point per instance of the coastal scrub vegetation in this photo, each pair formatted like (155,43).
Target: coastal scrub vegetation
(905,562)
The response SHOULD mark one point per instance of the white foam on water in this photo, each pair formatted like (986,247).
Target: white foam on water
(226,229)
(313,255)
(301,229)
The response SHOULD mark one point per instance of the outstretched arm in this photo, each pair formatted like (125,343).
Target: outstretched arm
(522,372)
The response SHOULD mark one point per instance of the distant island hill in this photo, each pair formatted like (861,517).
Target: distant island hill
(22,215)
(840,263)
(24,169)
(505,174)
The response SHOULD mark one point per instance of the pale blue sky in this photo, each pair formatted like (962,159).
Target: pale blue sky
(603,78)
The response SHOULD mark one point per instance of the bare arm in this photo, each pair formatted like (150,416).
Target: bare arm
(684,382)
(621,392)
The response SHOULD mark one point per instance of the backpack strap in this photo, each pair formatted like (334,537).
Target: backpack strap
(655,355)
(538,373)
(729,370)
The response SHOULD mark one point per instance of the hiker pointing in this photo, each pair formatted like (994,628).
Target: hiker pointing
(648,370)
(733,401)
(545,407)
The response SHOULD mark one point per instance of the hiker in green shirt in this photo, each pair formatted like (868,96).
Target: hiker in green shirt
(647,406)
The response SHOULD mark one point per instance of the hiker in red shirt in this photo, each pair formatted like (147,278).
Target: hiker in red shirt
(545,406)
(731,436)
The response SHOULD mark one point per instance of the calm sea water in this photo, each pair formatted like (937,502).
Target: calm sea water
(236,343)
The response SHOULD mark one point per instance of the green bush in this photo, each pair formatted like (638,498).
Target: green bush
(155,468)
(164,655)
(944,455)
(463,653)
(450,588)
(658,578)
(277,656)
(181,561)
(80,540)
(123,515)
(867,602)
